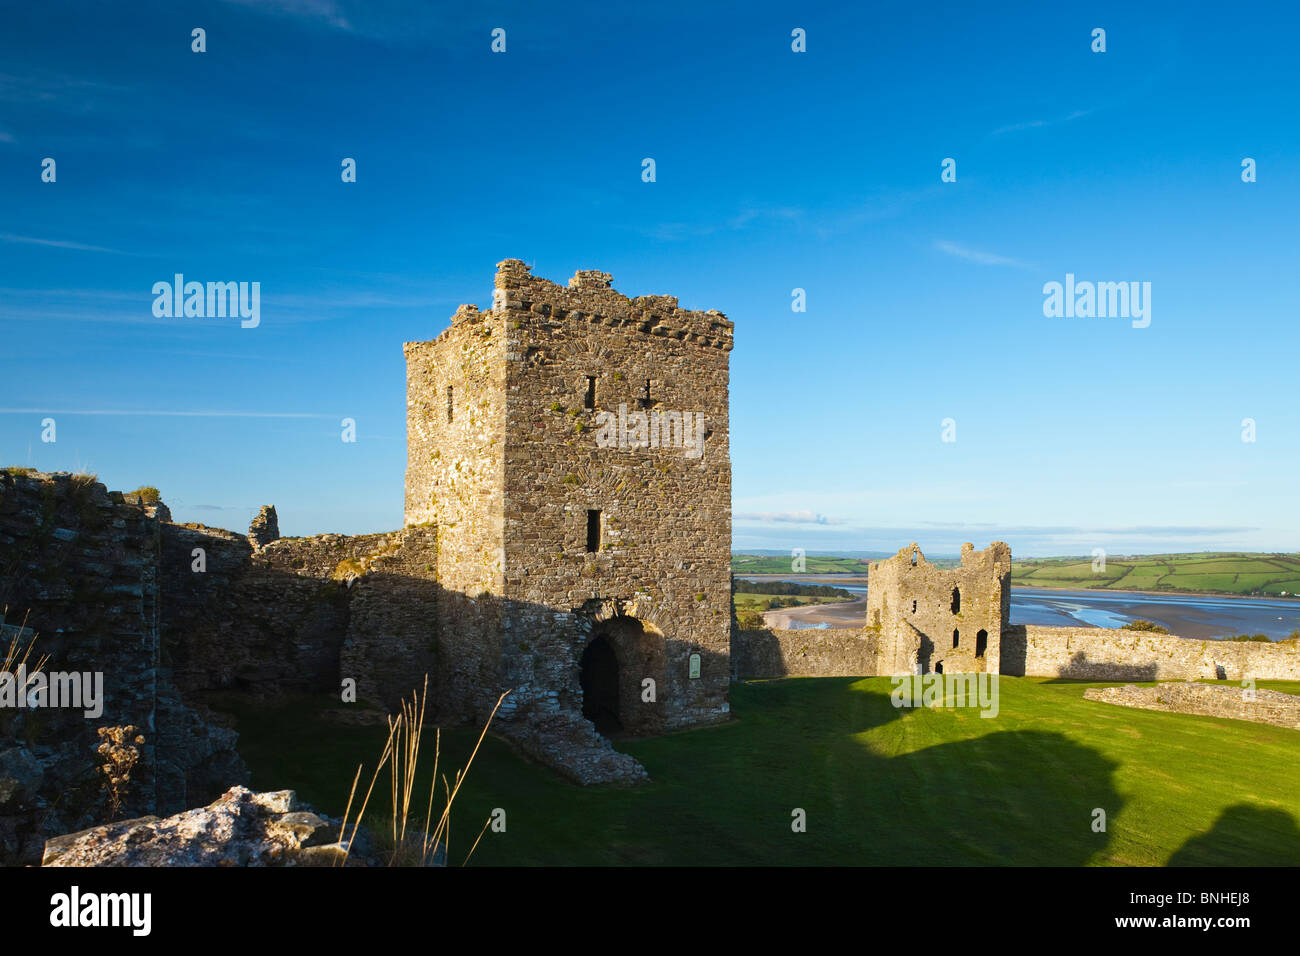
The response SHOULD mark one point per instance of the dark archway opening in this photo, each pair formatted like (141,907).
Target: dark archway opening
(598,675)
(981,643)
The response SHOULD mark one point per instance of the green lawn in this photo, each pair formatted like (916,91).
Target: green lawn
(879,785)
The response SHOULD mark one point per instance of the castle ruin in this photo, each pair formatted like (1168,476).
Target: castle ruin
(932,620)
(571,447)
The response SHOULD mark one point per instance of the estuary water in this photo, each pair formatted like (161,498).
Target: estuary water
(1187,615)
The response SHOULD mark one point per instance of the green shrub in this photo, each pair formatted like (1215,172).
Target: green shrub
(1141,625)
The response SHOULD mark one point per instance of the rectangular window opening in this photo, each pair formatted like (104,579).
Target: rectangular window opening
(590,400)
(593,531)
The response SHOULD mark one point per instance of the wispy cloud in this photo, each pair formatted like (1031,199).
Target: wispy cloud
(169,413)
(1036,124)
(326,11)
(975,255)
(787,517)
(59,244)
(47,89)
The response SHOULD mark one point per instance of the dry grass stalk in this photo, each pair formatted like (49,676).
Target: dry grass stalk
(401,754)
(12,661)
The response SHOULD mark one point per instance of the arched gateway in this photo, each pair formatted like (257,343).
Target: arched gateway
(622,654)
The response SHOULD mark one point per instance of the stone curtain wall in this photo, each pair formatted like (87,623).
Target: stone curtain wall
(912,606)
(1087,653)
(83,564)
(832,652)
(301,614)
(1208,700)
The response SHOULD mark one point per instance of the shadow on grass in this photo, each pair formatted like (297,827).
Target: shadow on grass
(1244,835)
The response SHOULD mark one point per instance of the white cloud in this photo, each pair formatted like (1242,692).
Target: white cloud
(976,255)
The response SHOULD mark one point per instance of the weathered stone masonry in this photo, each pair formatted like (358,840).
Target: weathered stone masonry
(569,562)
(941,619)
(1207,700)
(82,566)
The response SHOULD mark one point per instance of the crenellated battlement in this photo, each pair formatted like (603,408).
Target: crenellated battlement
(590,299)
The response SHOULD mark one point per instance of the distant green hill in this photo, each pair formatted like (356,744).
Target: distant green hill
(781,564)
(1207,572)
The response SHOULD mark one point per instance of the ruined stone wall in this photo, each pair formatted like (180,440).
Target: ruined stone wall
(762,654)
(932,618)
(82,564)
(665,512)
(301,614)
(1208,700)
(1094,653)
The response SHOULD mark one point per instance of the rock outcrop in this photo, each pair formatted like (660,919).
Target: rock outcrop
(241,828)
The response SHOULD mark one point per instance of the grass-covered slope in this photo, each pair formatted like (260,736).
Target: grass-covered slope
(1273,574)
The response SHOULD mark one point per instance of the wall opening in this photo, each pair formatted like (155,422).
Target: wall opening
(924,652)
(938,667)
(593,531)
(598,675)
(913,557)
(639,652)
(450,403)
(956,600)
(981,643)
(589,400)
(913,607)
(956,637)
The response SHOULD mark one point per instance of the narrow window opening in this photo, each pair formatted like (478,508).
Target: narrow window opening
(590,400)
(593,531)
(450,403)
(956,600)
(956,637)
(981,643)
(913,607)
(913,557)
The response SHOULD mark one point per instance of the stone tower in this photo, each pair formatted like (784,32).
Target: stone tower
(933,619)
(572,447)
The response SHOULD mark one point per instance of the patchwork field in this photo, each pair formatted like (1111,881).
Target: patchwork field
(1263,574)
(779,564)
(879,785)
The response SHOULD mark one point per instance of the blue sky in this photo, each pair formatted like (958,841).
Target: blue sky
(775,171)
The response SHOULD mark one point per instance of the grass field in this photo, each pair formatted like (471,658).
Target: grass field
(1262,574)
(778,564)
(745,601)
(879,785)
